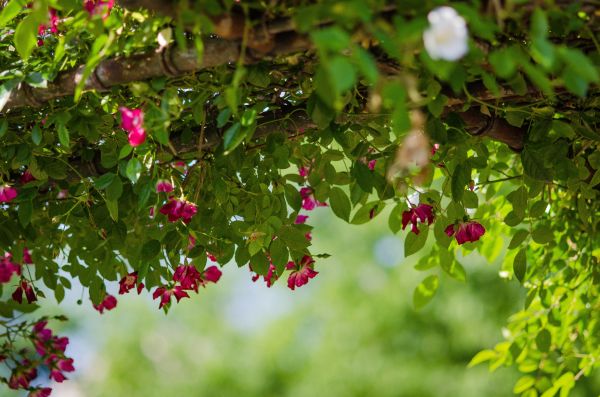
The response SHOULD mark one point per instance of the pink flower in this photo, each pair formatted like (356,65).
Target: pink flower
(132,121)
(309,202)
(211,257)
(300,219)
(128,282)
(422,212)
(269,278)
(435,148)
(188,277)
(26,177)
(303,171)
(308,236)
(191,242)
(7,268)
(57,376)
(62,194)
(27,257)
(24,286)
(179,209)
(212,274)
(7,194)
(99,7)
(165,295)
(109,303)
(43,392)
(371,164)
(301,273)
(164,186)
(470,231)
(22,375)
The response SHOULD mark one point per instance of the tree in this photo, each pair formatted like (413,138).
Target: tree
(141,141)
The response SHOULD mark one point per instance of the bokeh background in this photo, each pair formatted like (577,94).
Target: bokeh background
(352,331)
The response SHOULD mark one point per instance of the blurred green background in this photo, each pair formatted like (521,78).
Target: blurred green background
(352,331)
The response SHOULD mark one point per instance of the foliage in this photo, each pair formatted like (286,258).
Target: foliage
(208,166)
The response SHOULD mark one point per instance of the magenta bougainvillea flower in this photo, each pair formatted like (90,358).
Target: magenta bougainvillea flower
(109,303)
(26,177)
(303,171)
(24,373)
(7,194)
(27,257)
(300,219)
(211,274)
(51,348)
(301,273)
(422,212)
(129,282)
(211,257)
(371,164)
(177,209)
(99,7)
(269,278)
(309,202)
(164,186)
(24,287)
(188,277)
(8,268)
(165,295)
(132,121)
(41,392)
(464,232)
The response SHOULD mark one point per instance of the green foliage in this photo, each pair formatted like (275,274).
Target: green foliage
(352,114)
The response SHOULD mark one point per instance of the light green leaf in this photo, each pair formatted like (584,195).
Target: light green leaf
(425,291)
(340,204)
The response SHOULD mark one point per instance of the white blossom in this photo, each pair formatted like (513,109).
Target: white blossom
(447,36)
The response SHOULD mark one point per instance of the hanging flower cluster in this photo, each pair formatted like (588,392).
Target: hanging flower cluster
(53,27)
(132,121)
(99,7)
(108,303)
(301,273)
(7,193)
(465,232)
(309,202)
(420,213)
(176,209)
(186,278)
(129,282)
(269,278)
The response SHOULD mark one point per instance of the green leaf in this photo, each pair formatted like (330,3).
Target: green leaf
(451,266)
(340,204)
(103,181)
(113,209)
(125,151)
(3,127)
(482,356)
(248,117)
(233,137)
(279,255)
(63,135)
(460,179)
(523,384)
(36,135)
(414,242)
(395,219)
(341,73)
(425,291)
(520,264)
(25,212)
(518,238)
(133,169)
(542,234)
(115,189)
(25,37)
(11,10)
(59,293)
(150,250)
(543,340)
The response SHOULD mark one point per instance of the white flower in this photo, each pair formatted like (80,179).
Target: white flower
(447,36)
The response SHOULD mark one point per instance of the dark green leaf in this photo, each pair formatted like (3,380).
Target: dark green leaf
(340,204)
